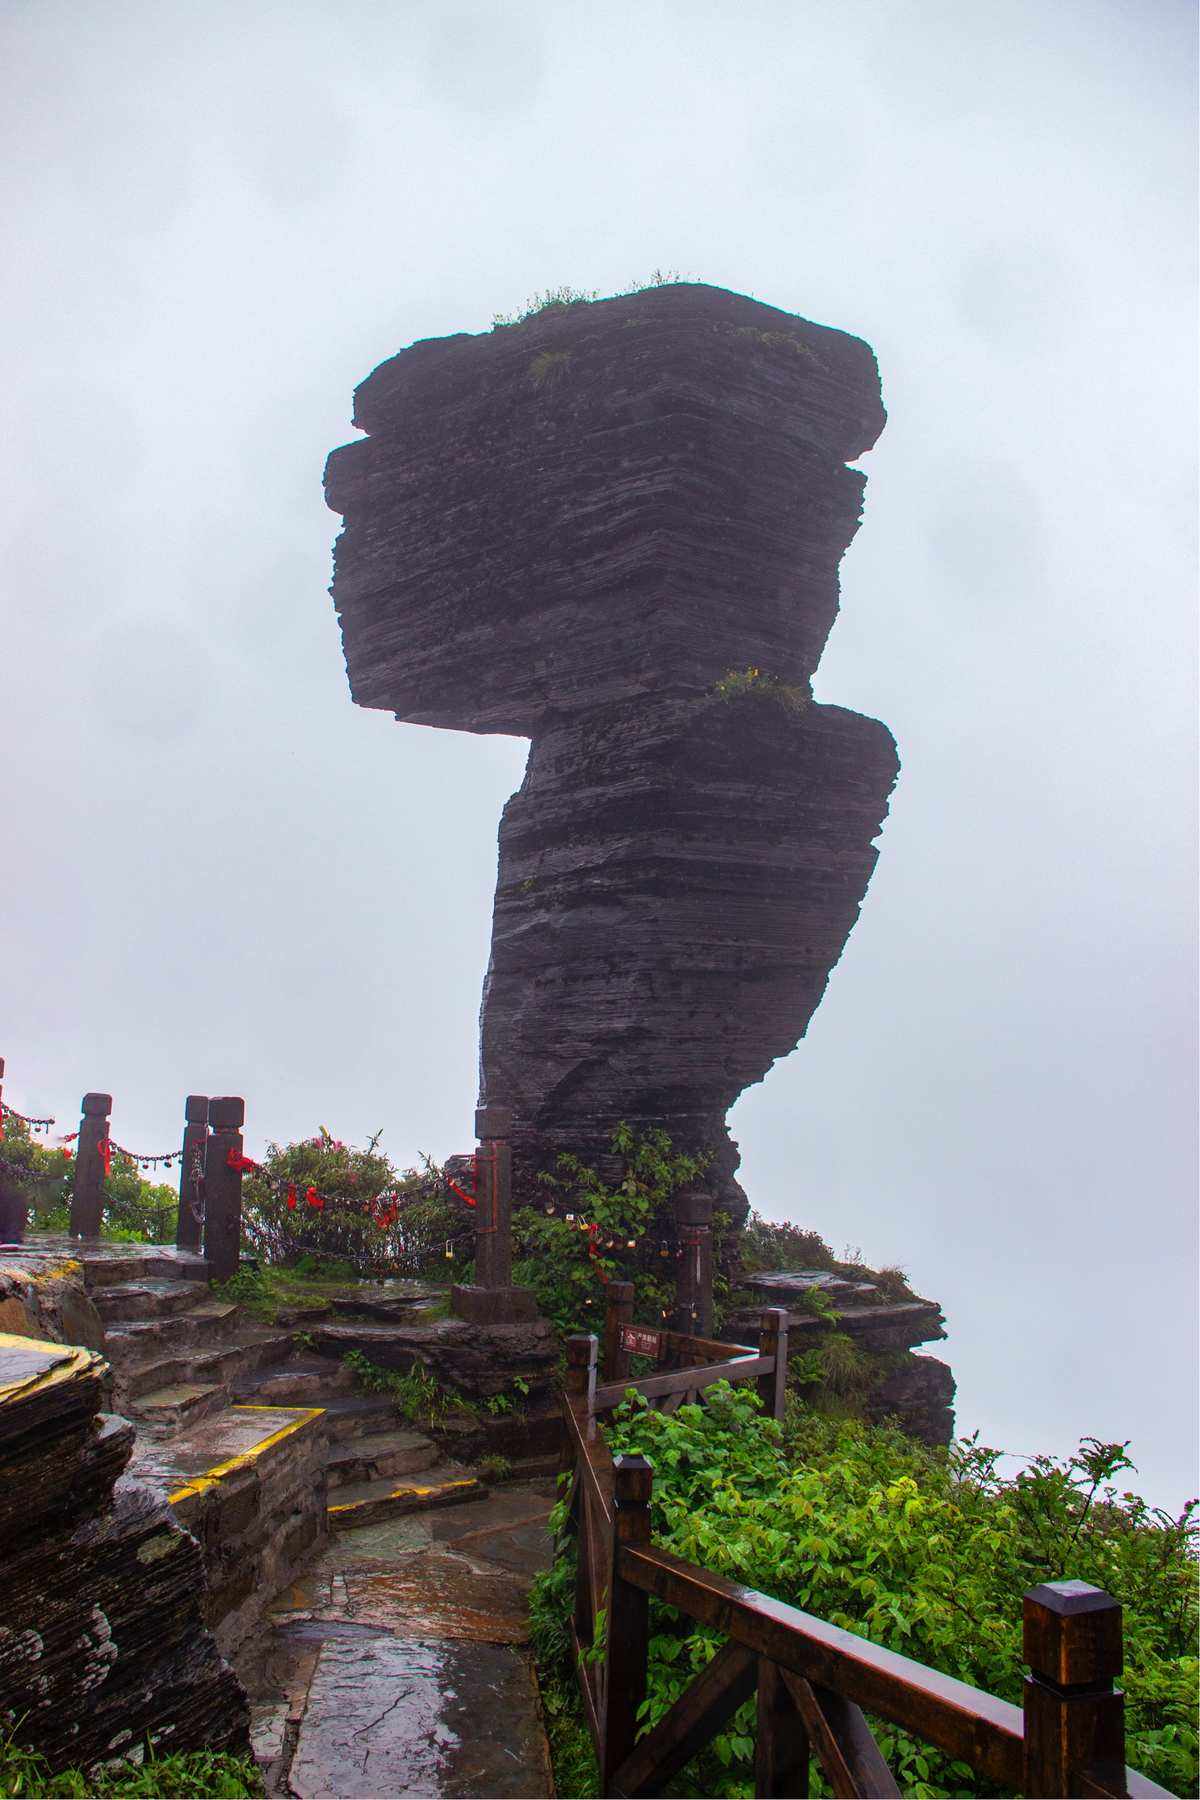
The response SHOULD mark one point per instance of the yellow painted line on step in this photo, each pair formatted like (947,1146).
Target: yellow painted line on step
(72,1362)
(243,1459)
(406,1492)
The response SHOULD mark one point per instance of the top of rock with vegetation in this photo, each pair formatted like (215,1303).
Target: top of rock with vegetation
(605,500)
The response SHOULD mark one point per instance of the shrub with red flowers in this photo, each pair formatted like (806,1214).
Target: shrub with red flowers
(323,1199)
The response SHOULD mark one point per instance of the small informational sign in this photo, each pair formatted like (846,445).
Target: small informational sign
(641,1340)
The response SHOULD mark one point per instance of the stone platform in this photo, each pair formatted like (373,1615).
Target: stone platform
(249,1484)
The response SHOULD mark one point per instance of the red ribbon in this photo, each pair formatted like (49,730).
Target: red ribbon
(313,1198)
(105,1149)
(234,1159)
(469,1198)
(291,1196)
(593,1231)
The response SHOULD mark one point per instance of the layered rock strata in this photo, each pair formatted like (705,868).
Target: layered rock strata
(576,529)
(102,1639)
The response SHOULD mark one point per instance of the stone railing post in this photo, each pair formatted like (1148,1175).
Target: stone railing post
(491,1299)
(693,1282)
(1074,1714)
(87,1196)
(223,1188)
(189,1230)
(493,1213)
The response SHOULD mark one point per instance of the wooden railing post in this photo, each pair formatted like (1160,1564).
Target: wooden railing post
(781,1750)
(693,1281)
(87,1195)
(628,1625)
(223,1188)
(1074,1715)
(581,1367)
(618,1312)
(773,1341)
(190,1222)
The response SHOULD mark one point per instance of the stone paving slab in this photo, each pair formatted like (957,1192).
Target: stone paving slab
(397,1716)
(395,1665)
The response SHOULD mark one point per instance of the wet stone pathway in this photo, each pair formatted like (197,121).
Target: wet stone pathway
(398,1666)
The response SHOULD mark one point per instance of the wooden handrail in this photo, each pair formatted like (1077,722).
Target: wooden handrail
(593,1459)
(684,1381)
(702,1349)
(962,1720)
(815,1680)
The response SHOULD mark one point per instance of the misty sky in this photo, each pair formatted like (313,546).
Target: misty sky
(221,876)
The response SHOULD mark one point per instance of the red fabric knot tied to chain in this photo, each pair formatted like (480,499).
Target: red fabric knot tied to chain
(291,1196)
(313,1198)
(593,1232)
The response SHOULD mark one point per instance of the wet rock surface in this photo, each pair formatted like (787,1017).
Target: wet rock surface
(396,1664)
(573,529)
(475,1360)
(102,1638)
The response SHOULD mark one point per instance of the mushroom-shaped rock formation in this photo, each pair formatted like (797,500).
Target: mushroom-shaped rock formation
(615,528)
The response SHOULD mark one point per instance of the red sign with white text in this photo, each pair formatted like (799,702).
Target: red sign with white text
(641,1340)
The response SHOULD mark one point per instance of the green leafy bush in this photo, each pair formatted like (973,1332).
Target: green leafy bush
(199,1773)
(357,1225)
(924,1551)
(632,1218)
(133,1210)
(417,1392)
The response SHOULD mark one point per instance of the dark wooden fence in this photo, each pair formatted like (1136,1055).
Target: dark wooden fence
(814,1682)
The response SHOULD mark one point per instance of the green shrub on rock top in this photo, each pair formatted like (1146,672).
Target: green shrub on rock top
(742,684)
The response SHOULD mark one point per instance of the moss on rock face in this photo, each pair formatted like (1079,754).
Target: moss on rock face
(45,1297)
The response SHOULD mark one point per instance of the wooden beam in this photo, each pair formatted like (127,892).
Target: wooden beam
(962,1720)
(698,1714)
(702,1349)
(584,1673)
(781,1747)
(679,1381)
(628,1625)
(841,1738)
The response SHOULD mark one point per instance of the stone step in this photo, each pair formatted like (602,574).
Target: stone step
(154,1297)
(348,1415)
(379,1456)
(354,1416)
(300,1381)
(109,1265)
(179,1403)
(173,1333)
(368,1502)
(226,1363)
